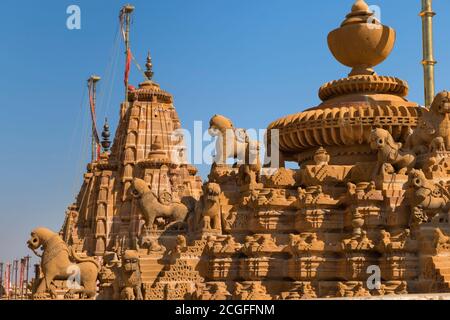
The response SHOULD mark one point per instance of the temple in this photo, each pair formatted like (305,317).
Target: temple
(370,194)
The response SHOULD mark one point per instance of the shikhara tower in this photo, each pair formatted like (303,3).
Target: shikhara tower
(146,146)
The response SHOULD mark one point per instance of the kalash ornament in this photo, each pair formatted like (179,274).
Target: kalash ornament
(361,42)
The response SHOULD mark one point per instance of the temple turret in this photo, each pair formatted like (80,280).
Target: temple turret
(146,146)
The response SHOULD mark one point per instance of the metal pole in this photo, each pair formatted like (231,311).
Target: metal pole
(8,280)
(15,268)
(128,9)
(1,280)
(37,276)
(27,281)
(428,61)
(22,271)
(92,86)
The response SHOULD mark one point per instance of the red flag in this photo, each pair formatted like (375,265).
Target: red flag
(98,151)
(127,66)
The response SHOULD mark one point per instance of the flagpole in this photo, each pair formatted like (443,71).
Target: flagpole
(428,61)
(15,269)
(92,87)
(126,11)
(27,274)
(21,273)
(8,280)
(1,280)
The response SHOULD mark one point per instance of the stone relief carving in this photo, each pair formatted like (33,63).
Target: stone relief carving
(123,276)
(428,200)
(390,152)
(152,208)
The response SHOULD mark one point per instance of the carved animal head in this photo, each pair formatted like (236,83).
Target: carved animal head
(441,103)
(139,188)
(380,139)
(417,179)
(211,191)
(219,124)
(130,261)
(39,237)
(426,127)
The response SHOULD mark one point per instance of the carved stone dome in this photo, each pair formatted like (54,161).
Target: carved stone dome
(351,107)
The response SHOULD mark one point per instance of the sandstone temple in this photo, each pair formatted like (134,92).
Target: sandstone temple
(371,192)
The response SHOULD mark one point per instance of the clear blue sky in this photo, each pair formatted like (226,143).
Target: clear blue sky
(252,60)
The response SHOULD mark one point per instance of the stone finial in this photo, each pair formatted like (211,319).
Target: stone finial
(360,5)
(106,143)
(360,13)
(361,42)
(157,154)
(321,157)
(149,72)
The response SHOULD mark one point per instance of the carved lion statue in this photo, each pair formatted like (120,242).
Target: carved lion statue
(60,263)
(440,111)
(128,282)
(419,140)
(390,152)
(232,142)
(434,123)
(152,208)
(207,209)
